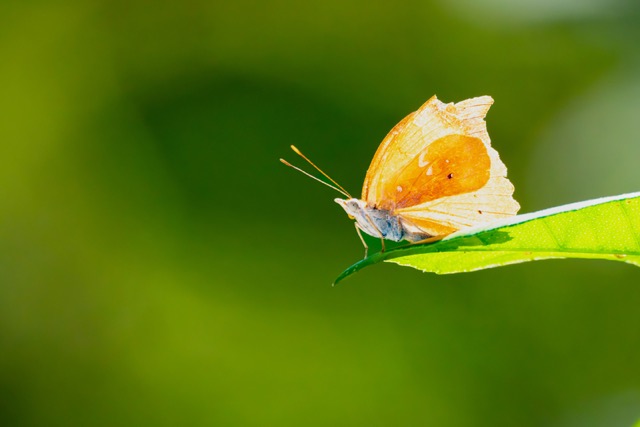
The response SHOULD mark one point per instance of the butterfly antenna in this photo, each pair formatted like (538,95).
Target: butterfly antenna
(316,178)
(299,153)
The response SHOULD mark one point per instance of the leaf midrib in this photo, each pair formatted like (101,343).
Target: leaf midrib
(537,249)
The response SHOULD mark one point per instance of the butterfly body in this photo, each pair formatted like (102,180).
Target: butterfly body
(378,223)
(375,222)
(433,174)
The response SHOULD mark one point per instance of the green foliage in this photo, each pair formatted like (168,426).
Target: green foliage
(158,267)
(606,228)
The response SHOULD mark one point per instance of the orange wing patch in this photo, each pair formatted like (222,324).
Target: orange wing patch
(451,165)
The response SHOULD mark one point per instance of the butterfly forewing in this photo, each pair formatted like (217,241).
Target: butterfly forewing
(437,172)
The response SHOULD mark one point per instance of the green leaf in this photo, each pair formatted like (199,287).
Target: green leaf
(606,228)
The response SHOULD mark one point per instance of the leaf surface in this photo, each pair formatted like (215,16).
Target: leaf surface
(605,228)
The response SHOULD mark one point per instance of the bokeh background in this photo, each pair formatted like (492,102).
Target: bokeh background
(160,267)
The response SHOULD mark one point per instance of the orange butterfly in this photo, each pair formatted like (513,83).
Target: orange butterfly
(433,174)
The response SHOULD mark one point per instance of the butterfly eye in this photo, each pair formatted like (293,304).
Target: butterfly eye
(351,216)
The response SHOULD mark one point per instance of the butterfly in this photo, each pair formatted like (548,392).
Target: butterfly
(433,174)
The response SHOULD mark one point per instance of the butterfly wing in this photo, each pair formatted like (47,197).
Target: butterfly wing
(436,170)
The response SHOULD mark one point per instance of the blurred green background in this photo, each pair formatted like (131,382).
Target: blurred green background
(159,266)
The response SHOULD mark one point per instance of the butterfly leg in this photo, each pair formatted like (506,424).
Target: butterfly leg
(366,247)
(373,224)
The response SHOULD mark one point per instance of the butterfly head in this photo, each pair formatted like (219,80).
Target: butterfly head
(353,207)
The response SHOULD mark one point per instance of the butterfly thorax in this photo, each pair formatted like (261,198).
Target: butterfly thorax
(373,221)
